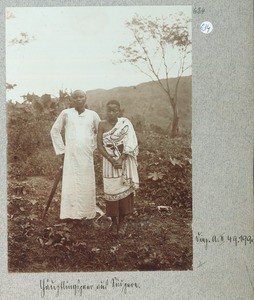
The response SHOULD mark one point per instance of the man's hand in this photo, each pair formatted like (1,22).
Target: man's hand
(62,157)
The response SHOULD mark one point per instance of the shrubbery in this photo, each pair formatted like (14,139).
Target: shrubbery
(164,163)
(165,169)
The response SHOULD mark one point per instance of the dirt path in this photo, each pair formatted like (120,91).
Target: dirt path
(154,240)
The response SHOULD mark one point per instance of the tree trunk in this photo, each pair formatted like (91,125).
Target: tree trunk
(175,128)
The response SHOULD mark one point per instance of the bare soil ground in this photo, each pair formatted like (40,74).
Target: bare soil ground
(155,239)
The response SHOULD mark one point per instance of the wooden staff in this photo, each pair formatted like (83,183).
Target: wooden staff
(57,179)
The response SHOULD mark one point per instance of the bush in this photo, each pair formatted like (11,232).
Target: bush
(165,169)
(164,163)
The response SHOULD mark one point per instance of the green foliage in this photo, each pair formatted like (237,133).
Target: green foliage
(23,39)
(162,213)
(48,245)
(156,176)
(30,150)
(149,51)
(154,35)
(165,169)
(164,163)
(10,86)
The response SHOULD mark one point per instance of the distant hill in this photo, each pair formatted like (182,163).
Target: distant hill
(146,102)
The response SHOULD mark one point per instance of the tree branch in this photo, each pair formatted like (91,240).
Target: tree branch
(150,65)
(155,81)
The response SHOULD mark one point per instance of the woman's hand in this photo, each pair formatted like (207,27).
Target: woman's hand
(124,156)
(117,163)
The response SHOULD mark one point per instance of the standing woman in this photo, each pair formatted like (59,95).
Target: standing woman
(118,144)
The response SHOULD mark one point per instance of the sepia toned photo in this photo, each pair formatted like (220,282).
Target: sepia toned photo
(99,133)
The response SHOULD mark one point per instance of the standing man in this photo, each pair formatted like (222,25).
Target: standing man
(80,125)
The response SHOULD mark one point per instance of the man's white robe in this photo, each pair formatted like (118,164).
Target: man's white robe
(78,198)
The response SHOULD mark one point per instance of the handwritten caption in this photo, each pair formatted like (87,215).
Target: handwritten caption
(198,10)
(220,239)
(50,286)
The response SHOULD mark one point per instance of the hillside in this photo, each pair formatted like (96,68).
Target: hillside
(146,102)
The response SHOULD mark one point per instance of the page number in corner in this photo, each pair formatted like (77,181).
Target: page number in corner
(206,27)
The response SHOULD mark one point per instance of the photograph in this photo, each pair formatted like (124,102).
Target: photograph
(99,135)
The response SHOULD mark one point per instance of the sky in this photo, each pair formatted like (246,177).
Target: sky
(74,48)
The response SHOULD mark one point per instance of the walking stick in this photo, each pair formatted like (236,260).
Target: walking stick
(57,179)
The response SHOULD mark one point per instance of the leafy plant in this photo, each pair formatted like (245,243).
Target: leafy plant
(156,176)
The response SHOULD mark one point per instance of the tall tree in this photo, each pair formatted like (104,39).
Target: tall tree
(151,53)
